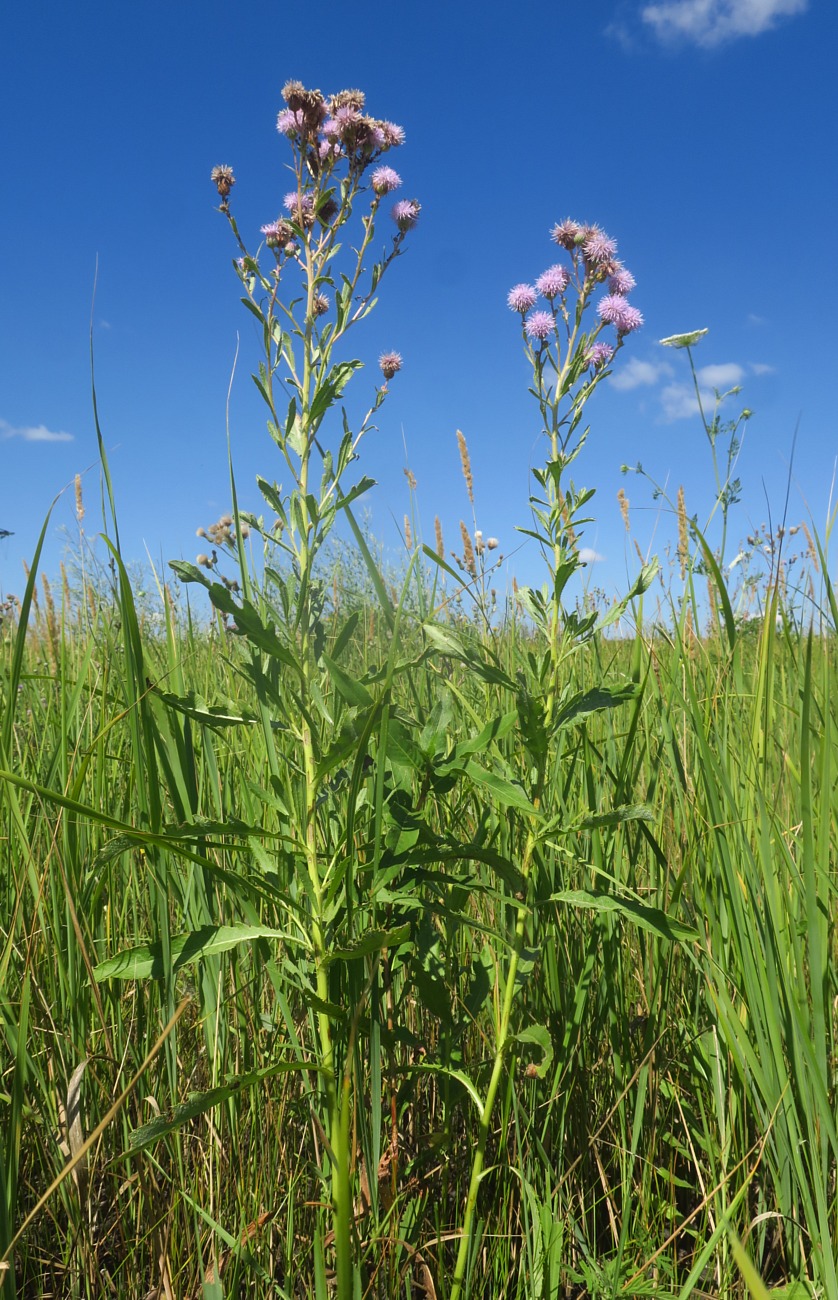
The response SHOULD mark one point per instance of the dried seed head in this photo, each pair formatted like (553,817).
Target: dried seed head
(624,508)
(440,542)
(683,534)
(811,549)
(203,560)
(465,461)
(492,543)
(223,179)
(411,479)
(200,532)
(469,561)
(347,99)
(408,534)
(79,501)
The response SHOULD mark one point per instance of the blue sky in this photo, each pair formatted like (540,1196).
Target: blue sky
(698,133)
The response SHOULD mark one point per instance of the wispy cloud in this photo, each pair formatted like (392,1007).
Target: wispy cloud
(639,374)
(589,556)
(679,402)
(760,368)
(712,22)
(32,433)
(721,377)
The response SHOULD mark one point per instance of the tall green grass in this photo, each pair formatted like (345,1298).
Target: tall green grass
(670,1089)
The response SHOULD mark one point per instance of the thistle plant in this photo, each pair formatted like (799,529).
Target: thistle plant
(570,354)
(307,289)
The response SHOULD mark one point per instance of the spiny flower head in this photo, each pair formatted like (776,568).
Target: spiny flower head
(521,297)
(616,311)
(390,363)
(276,233)
(597,247)
(290,122)
(406,213)
(599,355)
(310,104)
(393,134)
(553,282)
(347,99)
(223,179)
(301,207)
(567,234)
(621,281)
(540,325)
(384,180)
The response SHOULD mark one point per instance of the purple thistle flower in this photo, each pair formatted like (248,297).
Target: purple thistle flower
(393,135)
(272,233)
(598,248)
(328,150)
(406,213)
(566,234)
(553,282)
(347,115)
(301,207)
(384,179)
(290,122)
(614,310)
(331,128)
(540,325)
(632,319)
(390,363)
(599,355)
(621,281)
(521,297)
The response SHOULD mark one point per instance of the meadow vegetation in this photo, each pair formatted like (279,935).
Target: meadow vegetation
(375,936)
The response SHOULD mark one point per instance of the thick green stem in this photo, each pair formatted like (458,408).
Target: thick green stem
(501,1047)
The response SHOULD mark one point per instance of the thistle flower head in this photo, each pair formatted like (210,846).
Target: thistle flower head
(599,355)
(521,297)
(347,99)
(300,206)
(631,319)
(277,233)
(385,180)
(540,325)
(621,281)
(308,103)
(393,134)
(290,122)
(320,304)
(390,363)
(406,213)
(553,282)
(223,179)
(616,311)
(598,248)
(566,234)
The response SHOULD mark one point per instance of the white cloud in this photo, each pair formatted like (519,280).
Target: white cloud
(754,319)
(637,374)
(721,377)
(679,401)
(711,22)
(32,433)
(760,368)
(589,556)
